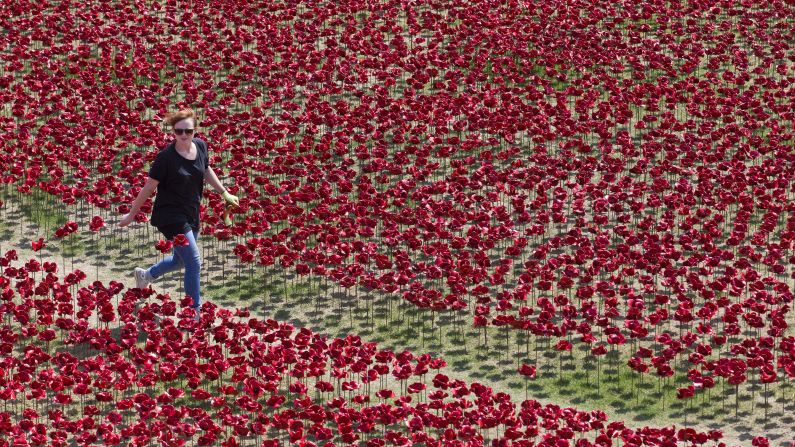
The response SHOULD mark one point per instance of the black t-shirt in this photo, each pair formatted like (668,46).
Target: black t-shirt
(180,187)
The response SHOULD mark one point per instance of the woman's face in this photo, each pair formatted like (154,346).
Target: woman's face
(184,129)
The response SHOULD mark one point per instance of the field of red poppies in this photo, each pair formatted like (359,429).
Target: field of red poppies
(462,223)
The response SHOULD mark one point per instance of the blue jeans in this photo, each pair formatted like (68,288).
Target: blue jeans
(184,256)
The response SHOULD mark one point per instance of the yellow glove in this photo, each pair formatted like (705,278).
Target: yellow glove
(227,216)
(231,202)
(230,198)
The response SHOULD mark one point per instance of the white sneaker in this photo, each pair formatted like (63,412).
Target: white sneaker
(142,278)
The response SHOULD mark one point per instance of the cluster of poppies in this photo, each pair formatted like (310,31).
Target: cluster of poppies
(613,172)
(100,364)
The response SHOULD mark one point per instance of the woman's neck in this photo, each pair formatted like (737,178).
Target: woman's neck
(183,147)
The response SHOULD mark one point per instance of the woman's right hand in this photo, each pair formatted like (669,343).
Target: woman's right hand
(127,219)
(143,194)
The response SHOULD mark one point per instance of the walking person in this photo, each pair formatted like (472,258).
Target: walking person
(178,174)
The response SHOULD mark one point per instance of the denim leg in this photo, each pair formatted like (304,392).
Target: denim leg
(168,264)
(189,256)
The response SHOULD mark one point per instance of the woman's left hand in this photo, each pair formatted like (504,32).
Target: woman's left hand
(127,219)
(230,199)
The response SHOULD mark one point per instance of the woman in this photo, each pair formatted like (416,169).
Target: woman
(178,173)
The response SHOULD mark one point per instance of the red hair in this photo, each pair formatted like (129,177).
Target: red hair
(174,117)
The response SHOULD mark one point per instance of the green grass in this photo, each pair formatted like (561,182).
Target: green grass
(40,208)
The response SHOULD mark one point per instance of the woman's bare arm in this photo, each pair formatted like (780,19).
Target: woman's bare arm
(145,193)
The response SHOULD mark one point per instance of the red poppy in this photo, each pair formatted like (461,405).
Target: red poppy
(180,240)
(164,246)
(527,370)
(97,223)
(37,245)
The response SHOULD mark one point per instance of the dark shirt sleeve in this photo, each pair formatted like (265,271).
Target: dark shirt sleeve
(206,157)
(159,167)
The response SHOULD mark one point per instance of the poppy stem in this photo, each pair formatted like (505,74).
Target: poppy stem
(507,341)
(736,399)
(765,400)
(598,376)
(560,366)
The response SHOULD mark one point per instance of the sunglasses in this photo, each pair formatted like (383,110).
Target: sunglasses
(183,131)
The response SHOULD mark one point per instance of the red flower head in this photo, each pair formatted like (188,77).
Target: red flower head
(760,441)
(385,394)
(37,245)
(528,370)
(180,240)
(164,246)
(96,223)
